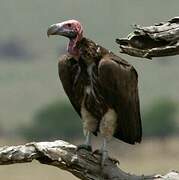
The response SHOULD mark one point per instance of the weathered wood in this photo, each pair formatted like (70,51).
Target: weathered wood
(153,41)
(83,164)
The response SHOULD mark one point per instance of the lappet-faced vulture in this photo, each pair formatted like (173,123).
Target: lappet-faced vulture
(102,87)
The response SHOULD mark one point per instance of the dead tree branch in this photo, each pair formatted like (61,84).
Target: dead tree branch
(153,41)
(83,164)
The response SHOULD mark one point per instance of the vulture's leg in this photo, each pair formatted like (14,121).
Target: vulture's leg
(89,125)
(104,152)
(107,129)
(87,143)
(88,139)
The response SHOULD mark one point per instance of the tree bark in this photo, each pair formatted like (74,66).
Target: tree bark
(159,40)
(83,164)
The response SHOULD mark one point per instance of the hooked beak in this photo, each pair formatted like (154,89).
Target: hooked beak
(59,29)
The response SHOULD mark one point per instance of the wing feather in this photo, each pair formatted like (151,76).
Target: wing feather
(67,73)
(119,84)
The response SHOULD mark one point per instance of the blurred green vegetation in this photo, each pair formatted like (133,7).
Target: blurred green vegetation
(59,120)
(159,120)
(56,120)
(15,49)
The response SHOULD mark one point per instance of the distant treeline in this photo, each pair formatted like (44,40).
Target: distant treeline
(59,120)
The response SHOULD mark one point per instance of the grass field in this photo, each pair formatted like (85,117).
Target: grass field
(152,156)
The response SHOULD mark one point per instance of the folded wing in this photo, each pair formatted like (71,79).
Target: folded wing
(119,86)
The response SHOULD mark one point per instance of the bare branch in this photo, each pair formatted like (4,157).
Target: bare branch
(153,41)
(83,164)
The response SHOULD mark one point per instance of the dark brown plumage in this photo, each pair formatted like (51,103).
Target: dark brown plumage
(114,86)
(101,86)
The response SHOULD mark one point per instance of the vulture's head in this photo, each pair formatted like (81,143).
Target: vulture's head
(71,29)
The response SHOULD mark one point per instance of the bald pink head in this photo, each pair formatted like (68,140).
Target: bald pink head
(71,29)
(75,25)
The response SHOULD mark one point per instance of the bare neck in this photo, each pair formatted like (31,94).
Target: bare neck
(72,46)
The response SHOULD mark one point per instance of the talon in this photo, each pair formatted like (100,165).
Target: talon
(100,153)
(84,146)
(97,152)
(114,161)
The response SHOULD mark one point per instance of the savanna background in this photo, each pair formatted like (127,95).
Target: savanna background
(33,106)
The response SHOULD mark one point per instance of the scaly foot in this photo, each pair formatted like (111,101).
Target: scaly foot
(104,157)
(103,154)
(84,146)
(99,152)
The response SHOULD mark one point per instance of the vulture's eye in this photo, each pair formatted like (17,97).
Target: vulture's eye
(69,25)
